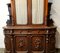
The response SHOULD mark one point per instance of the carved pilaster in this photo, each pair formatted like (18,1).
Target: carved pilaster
(47,42)
(12,45)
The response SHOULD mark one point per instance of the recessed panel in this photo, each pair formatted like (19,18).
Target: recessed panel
(21,11)
(37,11)
(21,43)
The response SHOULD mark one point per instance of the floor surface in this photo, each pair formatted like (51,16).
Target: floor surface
(2,50)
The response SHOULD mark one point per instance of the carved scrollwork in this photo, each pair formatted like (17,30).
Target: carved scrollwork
(5,42)
(37,43)
(21,43)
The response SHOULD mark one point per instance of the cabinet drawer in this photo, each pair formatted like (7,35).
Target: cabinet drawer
(29,31)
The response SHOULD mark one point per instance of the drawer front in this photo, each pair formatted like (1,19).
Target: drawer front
(33,31)
(38,43)
(21,43)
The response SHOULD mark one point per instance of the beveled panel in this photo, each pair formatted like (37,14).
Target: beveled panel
(21,11)
(37,11)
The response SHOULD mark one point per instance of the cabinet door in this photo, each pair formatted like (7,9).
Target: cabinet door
(37,11)
(38,44)
(29,12)
(21,44)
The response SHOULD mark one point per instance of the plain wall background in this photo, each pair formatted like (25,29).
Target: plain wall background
(4,16)
(55,11)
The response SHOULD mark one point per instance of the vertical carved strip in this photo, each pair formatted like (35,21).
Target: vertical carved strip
(12,51)
(29,44)
(12,41)
(47,42)
(52,43)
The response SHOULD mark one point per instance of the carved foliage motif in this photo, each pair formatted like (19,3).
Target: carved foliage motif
(16,40)
(7,41)
(37,43)
(21,43)
(8,31)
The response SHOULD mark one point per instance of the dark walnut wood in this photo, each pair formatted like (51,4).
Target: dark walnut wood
(29,38)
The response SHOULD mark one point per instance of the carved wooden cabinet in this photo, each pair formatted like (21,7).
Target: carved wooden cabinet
(27,30)
(30,39)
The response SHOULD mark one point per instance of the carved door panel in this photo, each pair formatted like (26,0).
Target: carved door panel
(8,43)
(38,44)
(21,44)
